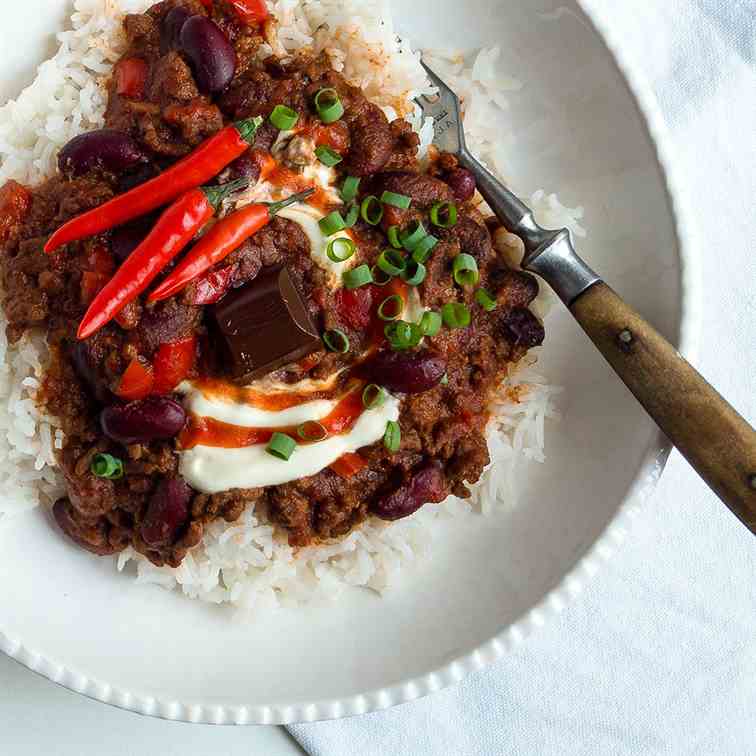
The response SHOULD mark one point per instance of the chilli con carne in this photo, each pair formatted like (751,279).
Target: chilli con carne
(357,330)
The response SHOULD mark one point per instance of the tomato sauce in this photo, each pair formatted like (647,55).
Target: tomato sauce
(206,431)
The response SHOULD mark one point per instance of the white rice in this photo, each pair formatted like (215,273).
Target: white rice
(246,563)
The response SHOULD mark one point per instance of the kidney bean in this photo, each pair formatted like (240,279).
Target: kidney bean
(125,239)
(107,149)
(522,328)
(155,417)
(143,172)
(426,486)
(170,29)
(82,363)
(167,512)
(212,56)
(407,372)
(462,183)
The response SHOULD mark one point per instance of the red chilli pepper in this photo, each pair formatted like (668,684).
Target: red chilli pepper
(175,228)
(212,287)
(220,241)
(195,169)
(172,364)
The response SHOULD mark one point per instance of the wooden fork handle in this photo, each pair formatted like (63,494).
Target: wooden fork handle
(710,434)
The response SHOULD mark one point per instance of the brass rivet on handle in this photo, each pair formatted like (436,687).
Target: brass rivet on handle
(625,339)
(752,481)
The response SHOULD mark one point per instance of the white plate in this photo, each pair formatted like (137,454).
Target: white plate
(66,614)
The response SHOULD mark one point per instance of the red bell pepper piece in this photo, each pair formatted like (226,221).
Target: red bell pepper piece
(175,228)
(250,11)
(348,465)
(15,201)
(137,381)
(207,161)
(131,75)
(220,241)
(172,364)
(355,306)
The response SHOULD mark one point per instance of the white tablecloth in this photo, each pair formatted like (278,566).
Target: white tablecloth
(658,656)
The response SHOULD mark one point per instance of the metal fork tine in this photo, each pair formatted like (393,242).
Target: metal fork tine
(437,80)
(445,112)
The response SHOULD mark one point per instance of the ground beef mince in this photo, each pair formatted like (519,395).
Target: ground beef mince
(119,393)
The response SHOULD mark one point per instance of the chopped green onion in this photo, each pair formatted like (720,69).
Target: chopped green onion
(430,323)
(357,277)
(391,308)
(444,214)
(380,277)
(371,210)
(392,438)
(465,270)
(445,379)
(485,300)
(352,215)
(284,118)
(373,396)
(327,156)
(414,274)
(393,237)
(107,466)
(312,431)
(336,341)
(332,223)
(412,235)
(422,250)
(328,105)
(340,249)
(455,315)
(402,335)
(402,201)
(392,261)
(349,188)
(281,446)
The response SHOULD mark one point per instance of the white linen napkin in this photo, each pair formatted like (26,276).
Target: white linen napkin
(658,656)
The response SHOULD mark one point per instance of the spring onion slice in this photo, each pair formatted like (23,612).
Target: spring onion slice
(392,438)
(349,188)
(371,210)
(327,156)
(339,250)
(430,323)
(328,105)
(414,274)
(423,249)
(107,466)
(455,315)
(392,262)
(445,379)
(485,300)
(332,223)
(312,431)
(402,201)
(352,215)
(359,276)
(281,446)
(391,308)
(373,396)
(393,237)
(380,277)
(444,214)
(284,118)
(402,335)
(336,341)
(412,235)
(465,270)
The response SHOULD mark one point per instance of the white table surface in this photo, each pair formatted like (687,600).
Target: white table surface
(40,718)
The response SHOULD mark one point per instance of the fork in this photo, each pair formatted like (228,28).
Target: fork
(718,443)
